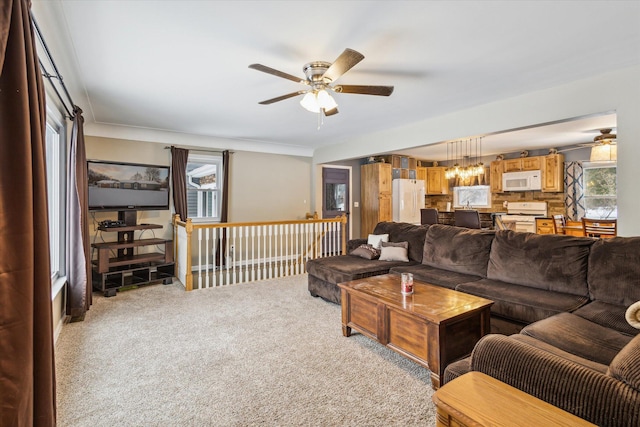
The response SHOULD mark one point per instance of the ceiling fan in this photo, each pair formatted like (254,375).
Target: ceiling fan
(603,147)
(321,77)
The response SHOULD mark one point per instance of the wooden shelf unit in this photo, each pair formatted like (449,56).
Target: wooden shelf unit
(127,268)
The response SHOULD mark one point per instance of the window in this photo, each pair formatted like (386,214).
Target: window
(56,192)
(475,196)
(600,194)
(204,186)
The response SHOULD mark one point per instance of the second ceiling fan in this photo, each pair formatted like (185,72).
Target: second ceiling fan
(321,77)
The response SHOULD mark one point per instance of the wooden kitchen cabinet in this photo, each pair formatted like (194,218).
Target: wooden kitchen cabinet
(523,164)
(545,226)
(495,175)
(421,175)
(437,183)
(375,196)
(553,173)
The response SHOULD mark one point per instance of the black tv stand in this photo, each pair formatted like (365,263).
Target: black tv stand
(127,268)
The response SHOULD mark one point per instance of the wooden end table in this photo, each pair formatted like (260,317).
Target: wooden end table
(475,399)
(433,327)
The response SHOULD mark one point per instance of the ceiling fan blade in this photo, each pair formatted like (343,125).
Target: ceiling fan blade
(275,72)
(342,64)
(330,112)
(283,97)
(365,90)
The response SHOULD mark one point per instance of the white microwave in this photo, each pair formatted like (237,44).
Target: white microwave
(522,181)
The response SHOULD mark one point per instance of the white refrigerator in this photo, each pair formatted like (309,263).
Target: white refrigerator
(408,199)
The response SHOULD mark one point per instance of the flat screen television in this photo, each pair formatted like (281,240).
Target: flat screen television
(119,186)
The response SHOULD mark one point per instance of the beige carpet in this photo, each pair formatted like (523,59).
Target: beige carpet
(264,353)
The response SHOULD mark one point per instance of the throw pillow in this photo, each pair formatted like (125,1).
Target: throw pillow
(366,252)
(396,244)
(393,253)
(376,239)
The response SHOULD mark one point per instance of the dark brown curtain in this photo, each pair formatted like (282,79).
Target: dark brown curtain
(78,269)
(27,371)
(179,158)
(224,215)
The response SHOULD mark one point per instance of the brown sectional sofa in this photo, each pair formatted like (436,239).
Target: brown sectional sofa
(559,306)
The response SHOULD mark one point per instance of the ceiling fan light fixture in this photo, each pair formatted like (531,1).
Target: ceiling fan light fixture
(325,100)
(310,103)
(604,153)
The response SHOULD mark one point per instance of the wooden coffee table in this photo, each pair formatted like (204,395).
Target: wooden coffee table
(433,327)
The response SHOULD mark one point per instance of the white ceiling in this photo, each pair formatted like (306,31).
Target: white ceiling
(182,66)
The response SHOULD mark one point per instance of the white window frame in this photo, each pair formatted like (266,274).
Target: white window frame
(598,165)
(207,159)
(486,202)
(55,142)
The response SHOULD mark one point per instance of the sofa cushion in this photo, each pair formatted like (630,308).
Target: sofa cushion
(614,271)
(546,261)
(579,336)
(522,303)
(344,268)
(404,232)
(625,366)
(607,315)
(435,276)
(561,353)
(458,249)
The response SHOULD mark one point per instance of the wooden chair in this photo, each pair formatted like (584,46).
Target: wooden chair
(428,216)
(558,224)
(469,218)
(600,228)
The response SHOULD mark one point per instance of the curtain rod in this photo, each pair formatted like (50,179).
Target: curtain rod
(201,150)
(57,74)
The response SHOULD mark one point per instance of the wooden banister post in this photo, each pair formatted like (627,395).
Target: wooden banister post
(188,275)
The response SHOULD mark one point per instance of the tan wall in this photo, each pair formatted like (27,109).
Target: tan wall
(268,187)
(263,187)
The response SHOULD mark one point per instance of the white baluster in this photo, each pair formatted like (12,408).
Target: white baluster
(232,258)
(214,252)
(226,235)
(270,251)
(206,256)
(253,254)
(199,258)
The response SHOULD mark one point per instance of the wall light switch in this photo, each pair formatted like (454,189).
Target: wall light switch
(356,204)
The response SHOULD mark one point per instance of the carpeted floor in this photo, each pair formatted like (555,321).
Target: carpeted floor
(264,353)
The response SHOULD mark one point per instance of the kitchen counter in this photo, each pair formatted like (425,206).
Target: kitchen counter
(486,218)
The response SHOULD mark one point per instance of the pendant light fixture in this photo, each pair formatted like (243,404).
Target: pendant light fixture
(467,156)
